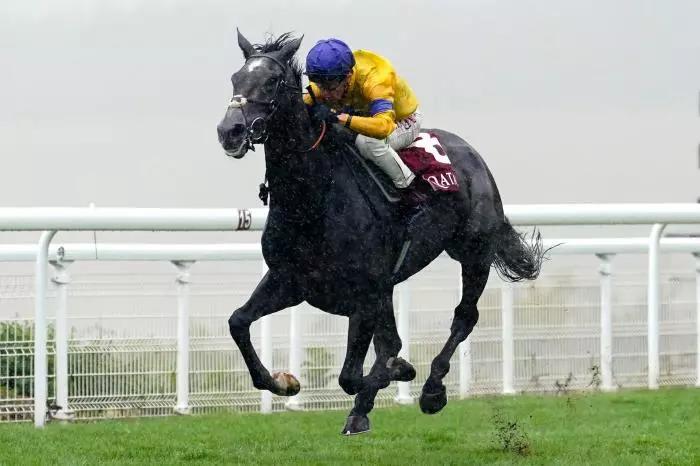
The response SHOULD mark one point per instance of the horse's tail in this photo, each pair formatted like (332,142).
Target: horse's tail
(517,257)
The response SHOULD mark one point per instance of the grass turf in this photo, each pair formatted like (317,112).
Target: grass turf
(630,427)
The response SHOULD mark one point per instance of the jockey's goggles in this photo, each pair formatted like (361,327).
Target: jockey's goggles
(327,82)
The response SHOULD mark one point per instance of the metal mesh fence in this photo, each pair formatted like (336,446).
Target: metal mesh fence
(122,341)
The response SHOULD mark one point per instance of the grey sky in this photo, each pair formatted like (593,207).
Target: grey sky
(116,102)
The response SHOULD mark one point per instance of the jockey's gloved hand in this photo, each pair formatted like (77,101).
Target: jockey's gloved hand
(322,112)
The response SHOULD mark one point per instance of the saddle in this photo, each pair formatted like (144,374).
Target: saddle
(427,159)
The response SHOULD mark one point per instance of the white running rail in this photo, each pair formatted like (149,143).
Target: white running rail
(51,220)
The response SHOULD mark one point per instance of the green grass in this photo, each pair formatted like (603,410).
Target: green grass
(631,427)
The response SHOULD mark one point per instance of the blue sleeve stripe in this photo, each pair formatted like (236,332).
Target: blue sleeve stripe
(380,106)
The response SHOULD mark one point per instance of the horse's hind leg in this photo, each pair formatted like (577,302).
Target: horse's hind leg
(475,273)
(272,294)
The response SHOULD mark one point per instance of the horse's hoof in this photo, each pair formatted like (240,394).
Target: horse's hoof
(285,384)
(431,403)
(356,425)
(402,370)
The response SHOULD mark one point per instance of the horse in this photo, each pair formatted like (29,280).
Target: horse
(333,239)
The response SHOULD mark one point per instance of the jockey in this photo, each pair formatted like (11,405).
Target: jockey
(364,83)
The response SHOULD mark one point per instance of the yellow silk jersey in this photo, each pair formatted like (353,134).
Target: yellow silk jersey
(374,89)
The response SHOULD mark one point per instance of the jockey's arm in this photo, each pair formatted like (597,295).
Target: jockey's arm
(379,92)
(379,126)
(381,106)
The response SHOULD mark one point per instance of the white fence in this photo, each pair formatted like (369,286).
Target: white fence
(164,219)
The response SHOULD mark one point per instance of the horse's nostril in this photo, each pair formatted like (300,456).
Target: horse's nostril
(231,134)
(237,130)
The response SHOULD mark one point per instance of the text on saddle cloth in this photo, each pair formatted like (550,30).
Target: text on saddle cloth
(428,160)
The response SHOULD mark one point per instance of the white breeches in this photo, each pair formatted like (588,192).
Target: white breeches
(382,152)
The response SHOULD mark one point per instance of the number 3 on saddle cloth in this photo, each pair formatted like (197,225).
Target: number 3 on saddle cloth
(428,160)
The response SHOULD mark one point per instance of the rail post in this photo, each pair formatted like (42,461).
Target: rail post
(61,279)
(294,403)
(605,272)
(697,316)
(507,322)
(40,362)
(465,350)
(182,371)
(653,304)
(265,353)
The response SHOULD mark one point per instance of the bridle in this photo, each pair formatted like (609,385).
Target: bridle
(257,130)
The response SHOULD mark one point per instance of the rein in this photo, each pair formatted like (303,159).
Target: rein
(318,141)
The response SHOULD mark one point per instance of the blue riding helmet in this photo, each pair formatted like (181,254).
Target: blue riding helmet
(329,58)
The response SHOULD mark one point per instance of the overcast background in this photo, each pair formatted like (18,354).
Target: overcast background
(116,102)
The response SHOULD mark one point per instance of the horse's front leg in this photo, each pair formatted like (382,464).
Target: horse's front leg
(360,331)
(273,293)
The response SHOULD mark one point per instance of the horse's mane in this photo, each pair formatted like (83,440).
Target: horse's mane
(275,44)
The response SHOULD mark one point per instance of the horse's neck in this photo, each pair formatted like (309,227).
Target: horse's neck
(297,187)
(299,181)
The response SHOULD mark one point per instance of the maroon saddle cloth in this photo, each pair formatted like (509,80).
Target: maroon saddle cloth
(428,160)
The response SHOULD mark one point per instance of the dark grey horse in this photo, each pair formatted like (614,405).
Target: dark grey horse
(332,238)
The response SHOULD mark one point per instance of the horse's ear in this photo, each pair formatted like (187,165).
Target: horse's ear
(245,46)
(288,51)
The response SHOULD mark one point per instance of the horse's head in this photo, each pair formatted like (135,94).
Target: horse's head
(263,84)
